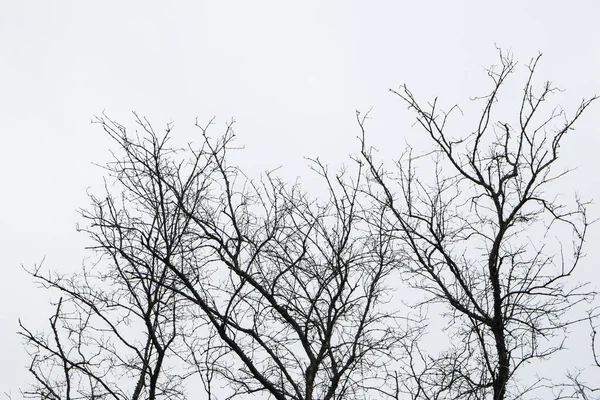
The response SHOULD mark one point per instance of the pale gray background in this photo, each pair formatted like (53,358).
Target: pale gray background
(291,73)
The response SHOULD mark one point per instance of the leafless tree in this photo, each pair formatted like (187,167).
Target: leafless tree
(253,287)
(115,324)
(252,283)
(487,241)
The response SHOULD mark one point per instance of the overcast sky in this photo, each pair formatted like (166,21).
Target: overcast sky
(292,74)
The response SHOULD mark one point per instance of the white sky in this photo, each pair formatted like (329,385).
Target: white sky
(291,73)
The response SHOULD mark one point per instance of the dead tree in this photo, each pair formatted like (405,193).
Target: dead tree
(255,284)
(487,241)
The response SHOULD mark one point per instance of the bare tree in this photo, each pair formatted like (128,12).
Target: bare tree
(486,239)
(256,284)
(115,324)
(205,275)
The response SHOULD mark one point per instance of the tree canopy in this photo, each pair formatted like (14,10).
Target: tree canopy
(208,281)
